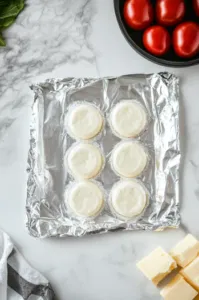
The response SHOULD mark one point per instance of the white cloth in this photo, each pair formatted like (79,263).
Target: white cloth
(19,281)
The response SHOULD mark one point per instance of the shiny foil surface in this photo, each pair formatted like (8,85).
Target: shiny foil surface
(49,179)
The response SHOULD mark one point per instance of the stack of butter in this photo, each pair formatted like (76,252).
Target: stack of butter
(158,264)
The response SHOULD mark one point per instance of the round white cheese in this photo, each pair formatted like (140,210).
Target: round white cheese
(86,199)
(84,121)
(128,118)
(129,159)
(128,198)
(84,161)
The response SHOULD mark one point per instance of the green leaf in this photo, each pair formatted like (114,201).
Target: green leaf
(10,8)
(4,23)
(2,41)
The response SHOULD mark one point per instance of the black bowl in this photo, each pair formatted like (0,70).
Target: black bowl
(134,38)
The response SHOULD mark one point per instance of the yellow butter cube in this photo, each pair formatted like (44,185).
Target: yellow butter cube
(185,251)
(191,273)
(157,265)
(178,289)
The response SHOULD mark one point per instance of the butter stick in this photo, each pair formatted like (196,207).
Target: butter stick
(191,273)
(185,251)
(178,289)
(157,265)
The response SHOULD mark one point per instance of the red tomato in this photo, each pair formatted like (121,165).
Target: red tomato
(157,40)
(138,14)
(186,39)
(196,6)
(170,12)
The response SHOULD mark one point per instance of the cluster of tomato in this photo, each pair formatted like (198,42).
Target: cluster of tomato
(139,15)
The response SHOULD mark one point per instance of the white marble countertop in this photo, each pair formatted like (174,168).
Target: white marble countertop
(81,38)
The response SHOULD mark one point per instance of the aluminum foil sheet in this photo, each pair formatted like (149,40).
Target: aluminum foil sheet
(48,177)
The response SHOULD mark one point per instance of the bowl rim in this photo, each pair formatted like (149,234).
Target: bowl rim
(145,54)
